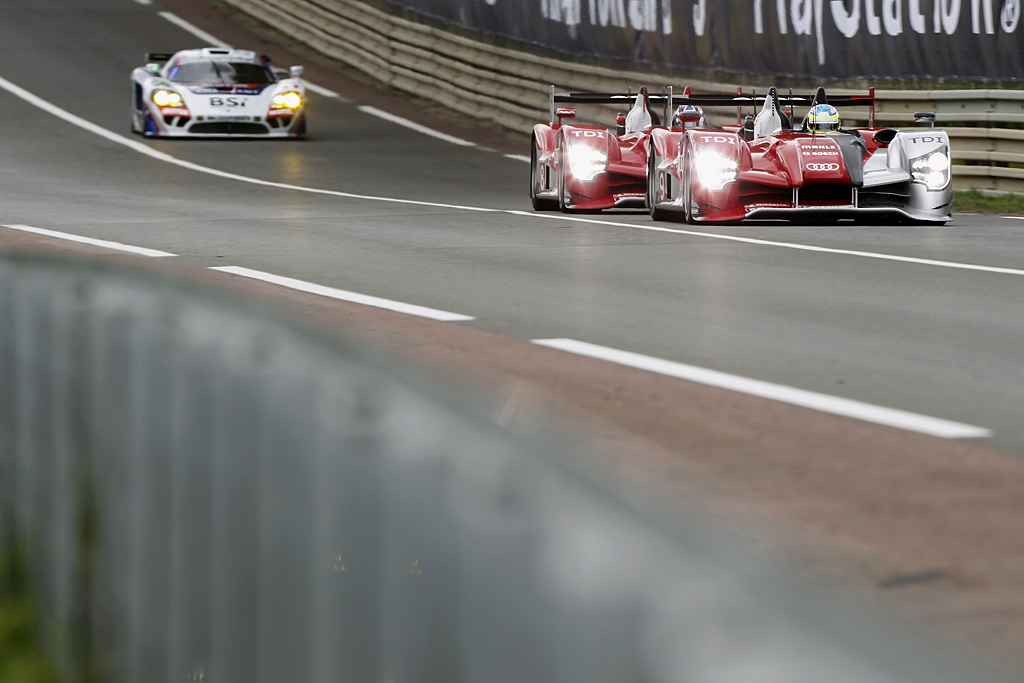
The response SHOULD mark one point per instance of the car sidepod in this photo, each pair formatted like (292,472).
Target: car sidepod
(709,165)
(909,174)
(582,160)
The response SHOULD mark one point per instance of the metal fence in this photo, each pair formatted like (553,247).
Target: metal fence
(205,491)
(510,86)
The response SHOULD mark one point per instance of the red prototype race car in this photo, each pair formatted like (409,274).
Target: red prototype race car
(587,167)
(768,168)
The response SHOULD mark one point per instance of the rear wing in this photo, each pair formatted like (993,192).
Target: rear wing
(667,99)
(740,100)
(737,99)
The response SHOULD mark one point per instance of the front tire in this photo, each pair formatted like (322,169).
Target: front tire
(563,204)
(538,181)
(688,191)
(653,195)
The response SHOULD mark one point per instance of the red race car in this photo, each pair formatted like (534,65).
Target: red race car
(587,167)
(770,166)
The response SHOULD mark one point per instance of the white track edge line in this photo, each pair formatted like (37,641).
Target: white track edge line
(106,244)
(412,125)
(343,295)
(194,30)
(145,149)
(323,92)
(835,405)
(519,157)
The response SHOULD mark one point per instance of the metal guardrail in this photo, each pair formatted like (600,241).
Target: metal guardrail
(205,491)
(510,87)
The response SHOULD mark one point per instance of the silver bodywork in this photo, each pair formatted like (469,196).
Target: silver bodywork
(220,108)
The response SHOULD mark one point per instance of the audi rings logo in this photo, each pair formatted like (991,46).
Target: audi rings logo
(822,167)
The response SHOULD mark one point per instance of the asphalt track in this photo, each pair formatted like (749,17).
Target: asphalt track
(932,340)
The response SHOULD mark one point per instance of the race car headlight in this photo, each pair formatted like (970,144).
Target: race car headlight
(167,98)
(586,163)
(715,170)
(288,100)
(932,170)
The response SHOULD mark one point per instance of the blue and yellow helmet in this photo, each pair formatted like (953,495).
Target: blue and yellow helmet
(823,118)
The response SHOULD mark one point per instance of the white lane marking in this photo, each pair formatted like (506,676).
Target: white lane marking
(377,302)
(1016,218)
(518,157)
(148,151)
(786,245)
(194,30)
(373,111)
(143,148)
(142,251)
(213,40)
(808,399)
(144,2)
(323,92)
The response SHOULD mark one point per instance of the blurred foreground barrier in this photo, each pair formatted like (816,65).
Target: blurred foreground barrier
(510,86)
(205,491)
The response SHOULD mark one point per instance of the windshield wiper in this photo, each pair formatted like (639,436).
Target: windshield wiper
(219,74)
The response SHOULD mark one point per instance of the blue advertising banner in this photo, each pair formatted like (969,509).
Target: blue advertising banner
(845,39)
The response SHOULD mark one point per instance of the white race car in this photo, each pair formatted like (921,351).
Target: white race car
(217,92)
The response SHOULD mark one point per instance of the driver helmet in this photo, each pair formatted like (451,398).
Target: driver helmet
(688,116)
(823,118)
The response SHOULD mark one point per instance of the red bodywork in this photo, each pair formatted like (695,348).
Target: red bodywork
(622,183)
(781,171)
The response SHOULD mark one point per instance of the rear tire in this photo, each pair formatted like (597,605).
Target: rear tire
(539,203)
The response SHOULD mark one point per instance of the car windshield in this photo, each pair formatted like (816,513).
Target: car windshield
(214,71)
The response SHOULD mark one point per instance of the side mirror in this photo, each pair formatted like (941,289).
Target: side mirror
(748,128)
(280,73)
(925,117)
(620,124)
(565,113)
(297,71)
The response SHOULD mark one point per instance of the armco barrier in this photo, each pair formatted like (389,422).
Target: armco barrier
(511,86)
(204,491)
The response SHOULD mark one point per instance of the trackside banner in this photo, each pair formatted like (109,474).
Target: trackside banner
(970,39)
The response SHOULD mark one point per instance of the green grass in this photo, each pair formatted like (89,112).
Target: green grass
(22,660)
(974,200)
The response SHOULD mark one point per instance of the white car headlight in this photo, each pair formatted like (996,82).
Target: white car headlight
(288,100)
(932,169)
(586,163)
(167,98)
(715,170)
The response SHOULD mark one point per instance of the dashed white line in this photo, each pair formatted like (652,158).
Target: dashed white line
(412,125)
(324,92)
(142,251)
(518,157)
(144,2)
(1016,218)
(835,405)
(376,302)
(194,30)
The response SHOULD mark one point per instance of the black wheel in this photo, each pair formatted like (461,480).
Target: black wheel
(652,189)
(563,205)
(538,181)
(688,189)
